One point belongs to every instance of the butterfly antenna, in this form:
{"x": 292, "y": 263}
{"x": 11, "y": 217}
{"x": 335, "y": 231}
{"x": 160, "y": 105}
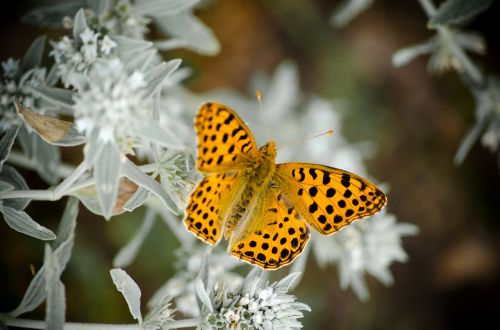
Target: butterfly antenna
{"x": 329, "y": 132}
{"x": 258, "y": 94}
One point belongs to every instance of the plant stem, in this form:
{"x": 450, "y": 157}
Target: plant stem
{"x": 445, "y": 33}
{"x": 428, "y": 6}
{"x": 37, "y": 324}
{"x": 19, "y": 159}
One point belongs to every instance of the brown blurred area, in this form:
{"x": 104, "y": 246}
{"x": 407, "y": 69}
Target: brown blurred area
{"x": 417, "y": 121}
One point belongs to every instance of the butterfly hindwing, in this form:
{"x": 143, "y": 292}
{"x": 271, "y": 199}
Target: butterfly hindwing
{"x": 209, "y": 202}
{"x": 272, "y": 235}
{"x": 328, "y": 198}
{"x": 224, "y": 141}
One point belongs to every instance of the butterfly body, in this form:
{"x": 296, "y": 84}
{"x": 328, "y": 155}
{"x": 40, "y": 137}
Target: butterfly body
{"x": 263, "y": 208}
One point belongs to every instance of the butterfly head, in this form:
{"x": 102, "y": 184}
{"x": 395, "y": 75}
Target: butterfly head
{"x": 268, "y": 151}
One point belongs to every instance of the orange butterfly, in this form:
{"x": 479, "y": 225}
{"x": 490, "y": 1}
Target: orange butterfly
{"x": 261, "y": 206}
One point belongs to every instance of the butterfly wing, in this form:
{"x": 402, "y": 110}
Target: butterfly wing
{"x": 209, "y": 203}
{"x": 224, "y": 141}
{"x": 328, "y": 198}
{"x": 272, "y": 234}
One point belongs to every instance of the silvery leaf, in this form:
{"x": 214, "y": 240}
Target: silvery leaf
{"x": 408, "y": 54}
{"x": 126, "y": 44}
{"x": 5, "y": 186}
{"x": 131, "y": 292}
{"x": 202, "y": 295}
{"x": 128, "y": 253}
{"x": 62, "y": 246}
{"x": 287, "y": 281}
{"x": 470, "y": 138}
{"x": 132, "y": 172}
{"x": 52, "y": 15}
{"x": 21, "y": 222}
{"x": 80, "y": 24}
{"x": 184, "y": 25}
{"x": 68, "y": 222}
{"x": 163, "y": 7}
{"x": 53, "y": 76}
{"x": 171, "y": 44}
{"x": 141, "y": 60}
{"x": 107, "y": 178}
{"x": 47, "y": 159}
{"x": 458, "y": 11}
{"x": 92, "y": 148}
{"x": 34, "y": 55}
{"x": 137, "y": 199}
{"x": 157, "y": 75}
{"x": 153, "y": 132}
{"x": 10, "y": 175}
{"x": 26, "y": 140}
{"x": 6, "y": 143}
{"x": 59, "y": 97}
{"x": 56, "y": 301}
{"x": 348, "y": 10}
{"x": 53, "y": 130}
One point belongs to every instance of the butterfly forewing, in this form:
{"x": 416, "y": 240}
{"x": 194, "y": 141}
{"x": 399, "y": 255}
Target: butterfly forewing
{"x": 224, "y": 141}
{"x": 209, "y": 202}
{"x": 272, "y": 235}
{"x": 328, "y": 198}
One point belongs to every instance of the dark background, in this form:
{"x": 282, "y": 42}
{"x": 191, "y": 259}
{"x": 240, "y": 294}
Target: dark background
{"x": 417, "y": 120}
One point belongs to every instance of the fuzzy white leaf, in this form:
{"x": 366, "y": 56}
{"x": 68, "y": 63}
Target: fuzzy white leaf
{"x": 80, "y": 24}
{"x": 34, "y": 55}
{"x": 6, "y": 144}
{"x": 156, "y": 76}
{"x": 202, "y": 294}
{"x": 52, "y": 15}
{"x": 163, "y": 7}
{"x": 133, "y": 173}
{"x": 59, "y": 97}
{"x": 458, "y": 11}
{"x": 126, "y": 44}
{"x": 348, "y": 10}
{"x": 22, "y": 222}
{"x": 56, "y": 301}
{"x": 107, "y": 177}
{"x": 10, "y": 175}
{"x": 137, "y": 199}
{"x": 408, "y": 54}
{"x": 5, "y": 186}
{"x": 184, "y": 25}
{"x": 130, "y": 290}
{"x": 62, "y": 246}
{"x": 128, "y": 253}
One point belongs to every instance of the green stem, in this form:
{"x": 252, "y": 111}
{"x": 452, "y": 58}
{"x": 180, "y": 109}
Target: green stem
{"x": 17, "y": 158}
{"x": 37, "y": 324}
{"x": 65, "y": 188}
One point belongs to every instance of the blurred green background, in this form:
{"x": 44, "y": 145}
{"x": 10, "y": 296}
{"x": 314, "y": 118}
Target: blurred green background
{"x": 452, "y": 280}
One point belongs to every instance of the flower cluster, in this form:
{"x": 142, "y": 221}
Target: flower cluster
{"x": 120, "y": 18}
{"x": 74, "y": 57}
{"x": 369, "y": 246}
{"x": 15, "y": 85}
{"x": 181, "y": 287}
{"x": 254, "y": 305}
{"x": 110, "y": 101}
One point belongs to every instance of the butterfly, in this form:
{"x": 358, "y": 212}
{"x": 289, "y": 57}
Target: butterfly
{"x": 263, "y": 208}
